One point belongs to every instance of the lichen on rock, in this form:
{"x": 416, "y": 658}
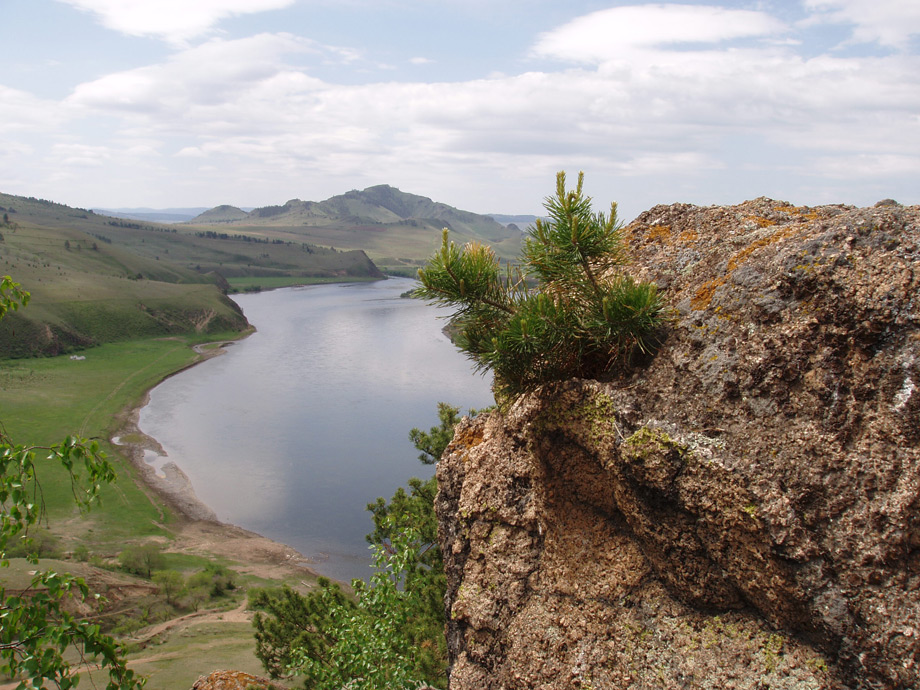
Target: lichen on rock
{"x": 740, "y": 511}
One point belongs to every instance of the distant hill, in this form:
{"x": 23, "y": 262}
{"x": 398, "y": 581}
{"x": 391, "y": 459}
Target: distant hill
{"x": 154, "y": 215}
{"x": 95, "y": 278}
{"x": 520, "y": 221}
{"x": 219, "y": 214}
{"x": 397, "y": 229}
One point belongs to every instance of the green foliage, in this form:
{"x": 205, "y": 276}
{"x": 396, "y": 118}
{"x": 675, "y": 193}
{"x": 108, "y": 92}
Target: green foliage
{"x": 35, "y": 628}
{"x": 433, "y": 443}
{"x": 286, "y": 621}
{"x": 414, "y": 510}
{"x": 39, "y": 543}
{"x": 393, "y": 636}
{"x": 215, "y": 579}
{"x": 369, "y": 644}
{"x": 12, "y": 296}
{"x": 388, "y": 638}
{"x": 170, "y": 583}
{"x": 583, "y": 319}
{"x": 142, "y": 560}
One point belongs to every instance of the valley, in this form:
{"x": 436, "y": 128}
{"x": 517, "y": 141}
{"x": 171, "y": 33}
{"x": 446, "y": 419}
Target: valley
{"x": 117, "y": 305}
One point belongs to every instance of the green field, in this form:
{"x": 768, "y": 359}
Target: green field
{"x": 395, "y": 248}
{"x": 254, "y": 284}
{"x": 43, "y": 400}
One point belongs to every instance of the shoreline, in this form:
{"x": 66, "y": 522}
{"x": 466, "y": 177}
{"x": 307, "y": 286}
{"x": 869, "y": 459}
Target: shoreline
{"x": 196, "y": 523}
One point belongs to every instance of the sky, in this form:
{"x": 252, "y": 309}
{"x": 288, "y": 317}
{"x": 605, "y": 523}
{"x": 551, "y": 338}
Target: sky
{"x": 474, "y": 103}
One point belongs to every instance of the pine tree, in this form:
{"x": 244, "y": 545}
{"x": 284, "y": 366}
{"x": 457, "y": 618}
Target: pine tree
{"x": 583, "y": 318}
{"x": 397, "y": 623}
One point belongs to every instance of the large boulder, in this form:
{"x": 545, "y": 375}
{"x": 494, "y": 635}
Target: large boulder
{"x": 740, "y": 510}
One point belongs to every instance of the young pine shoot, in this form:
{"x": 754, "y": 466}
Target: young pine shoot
{"x": 582, "y": 319}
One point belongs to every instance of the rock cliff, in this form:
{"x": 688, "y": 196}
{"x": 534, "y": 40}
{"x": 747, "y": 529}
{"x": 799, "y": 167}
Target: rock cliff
{"x": 742, "y": 509}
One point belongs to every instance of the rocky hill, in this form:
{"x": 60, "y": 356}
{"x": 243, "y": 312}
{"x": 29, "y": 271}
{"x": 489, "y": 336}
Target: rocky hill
{"x": 380, "y": 205}
{"x": 741, "y": 510}
{"x": 220, "y": 214}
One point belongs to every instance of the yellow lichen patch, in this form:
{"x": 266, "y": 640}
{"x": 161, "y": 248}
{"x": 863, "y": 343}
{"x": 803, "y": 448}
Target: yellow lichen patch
{"x": 659, "y": 233}
{"x": 703, "y": 296}
{"x": 742, "y": 255}
{"x": 761, "y": 221}
{"x": 468, "y": 437}
{"x": 688, "y": 236}
{"x": 805, "y": 213}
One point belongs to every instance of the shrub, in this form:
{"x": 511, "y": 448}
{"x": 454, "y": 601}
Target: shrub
{"x": 583, "y": 318}
{"x": 142, "y": 560}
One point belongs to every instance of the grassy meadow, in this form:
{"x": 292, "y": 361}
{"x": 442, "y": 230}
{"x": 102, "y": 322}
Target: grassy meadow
{"x": 44, "y": 399}
{"x": 256, "y": 283}
{"x": 395, "y": 247}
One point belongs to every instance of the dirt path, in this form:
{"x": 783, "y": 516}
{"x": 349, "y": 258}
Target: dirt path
{"x": 145, "y": 635}
{"x": 237, "y": 615}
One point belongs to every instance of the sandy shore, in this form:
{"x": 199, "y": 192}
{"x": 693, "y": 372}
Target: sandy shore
{"x": 199, "y": 530}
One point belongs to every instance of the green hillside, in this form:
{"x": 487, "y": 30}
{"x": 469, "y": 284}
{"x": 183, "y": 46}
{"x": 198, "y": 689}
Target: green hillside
{"x": 95, "y": 278}
{"x": 399, "y": 231}
{"x": 221, "y": 214}
{"x": 98, "y": 279}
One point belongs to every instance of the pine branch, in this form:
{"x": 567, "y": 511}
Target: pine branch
{"x": 582, "y": 318}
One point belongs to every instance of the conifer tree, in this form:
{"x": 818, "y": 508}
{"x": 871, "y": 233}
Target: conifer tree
{"x": 582, "y": 319}
{"x": 328, "y": 638}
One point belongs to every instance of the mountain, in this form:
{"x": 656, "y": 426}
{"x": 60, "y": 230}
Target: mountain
{"x": 398, "y": 230}
{"x": 381, "y": 204}
{"x": 155, "y": 215}
{"x": 168, "y": 215}
{"x": 219, "y": 214}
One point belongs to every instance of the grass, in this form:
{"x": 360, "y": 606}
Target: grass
{"x": 201, "y": 648}
{"x": 42, "y": 400}
{"x": 256, "y": 283}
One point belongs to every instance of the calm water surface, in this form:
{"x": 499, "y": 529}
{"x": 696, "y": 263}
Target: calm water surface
{"x": 298, "y": 427}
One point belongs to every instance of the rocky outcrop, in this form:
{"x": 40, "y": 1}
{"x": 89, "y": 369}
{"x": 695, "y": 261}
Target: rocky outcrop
{"x": 234, "y": 680}
{"x": 741, "y": 510}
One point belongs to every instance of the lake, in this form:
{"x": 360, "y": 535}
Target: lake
{"x": 293, "y": 431}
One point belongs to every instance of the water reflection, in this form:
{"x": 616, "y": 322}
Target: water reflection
{"x": 302, "y": 424}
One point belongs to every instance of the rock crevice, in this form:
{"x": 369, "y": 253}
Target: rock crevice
{"x": 741, "y": 511}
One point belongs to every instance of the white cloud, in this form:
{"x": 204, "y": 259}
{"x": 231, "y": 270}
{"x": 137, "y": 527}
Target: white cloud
{"x": 200, "y": 80}
{"x": 22, "y": 112}
{"x": 173, "y": 20}
{"x": 620, "y": 32}
{"x": 191, "y": 152}
{"x": 656, "y": 99}
{"x": 888, "y": 22}
{"x": 245, "y": 105}
{"x": 857, "y": 166}
{"x": 82, "y": 155}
